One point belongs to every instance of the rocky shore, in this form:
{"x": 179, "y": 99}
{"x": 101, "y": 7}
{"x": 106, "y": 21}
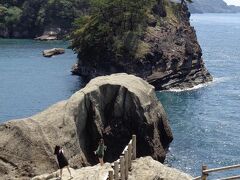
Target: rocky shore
{"x": 113, "y": 107}
{"x": 144, "y": 168}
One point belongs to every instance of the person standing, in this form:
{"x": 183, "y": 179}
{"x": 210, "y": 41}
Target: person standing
{"x": 100, "y": 151}
{"x": 61, "y": 159}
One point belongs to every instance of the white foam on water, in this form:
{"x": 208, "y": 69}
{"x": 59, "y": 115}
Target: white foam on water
{"x": 214, "y": 82}
{"x": 189, "y": 89}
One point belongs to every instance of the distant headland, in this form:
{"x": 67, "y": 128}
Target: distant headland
{"x": 212, "y": 6}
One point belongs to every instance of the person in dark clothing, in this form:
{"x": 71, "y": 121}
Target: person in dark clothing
{"x": 61, "y": 159}
{"x": 100, "y": 151}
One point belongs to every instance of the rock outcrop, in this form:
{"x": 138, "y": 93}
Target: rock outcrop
{"x": 175, "y": 59}
{"x": 51, "y": 34}
{"x": 144, "y": 168}
{"x": 168, "y": 54}
{"x": 46, "y": 37}
{"x": 113, "y": 107}
{"x": 52, "y": 52}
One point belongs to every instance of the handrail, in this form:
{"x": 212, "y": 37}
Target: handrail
{"x": 124, "y": 162}
{"x": 222, "y": 168}
{"x": 197, "y": 178}
{"x": 205, "y": 172}
{"x": 230, "y": 178}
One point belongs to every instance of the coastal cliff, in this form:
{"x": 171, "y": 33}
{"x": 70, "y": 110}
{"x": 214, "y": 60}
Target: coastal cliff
{"x": 161, "y": 47}
{"x": 113, "y": 107}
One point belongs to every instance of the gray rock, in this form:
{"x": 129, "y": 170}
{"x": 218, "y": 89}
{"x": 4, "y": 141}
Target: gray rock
{"x": 146, "y": 168}
{"x": 50, "y": 34}
{"x": 46, "y": 37}
{"x": 52, "y": 52}
{"x": 113, "y": 107}
{"x": 142, "y": 169}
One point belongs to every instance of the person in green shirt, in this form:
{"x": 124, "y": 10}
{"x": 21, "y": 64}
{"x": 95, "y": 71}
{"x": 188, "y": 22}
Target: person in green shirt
{"x": 100, "y": 151}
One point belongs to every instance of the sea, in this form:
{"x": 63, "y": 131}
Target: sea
{"x": 205, "y": 120}
{"x": 29, "y": 82}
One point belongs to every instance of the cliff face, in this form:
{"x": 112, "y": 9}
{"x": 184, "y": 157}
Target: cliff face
{"x": 175, "y": 57}
{"x": 167, "y": 55}
{"x": 113, "y": 107}
{"x": 213, "y": 6}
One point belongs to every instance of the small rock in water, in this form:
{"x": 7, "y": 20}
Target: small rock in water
{"x": 46, "y": 37}
{"x": 54, "y": 51}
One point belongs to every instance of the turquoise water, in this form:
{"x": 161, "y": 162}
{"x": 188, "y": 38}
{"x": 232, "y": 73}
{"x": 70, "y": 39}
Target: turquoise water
{"x": 206, "y": 121}
{"x": 29, "y": 82}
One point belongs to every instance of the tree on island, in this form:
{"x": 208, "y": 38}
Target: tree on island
{"x": 112, "y": 29}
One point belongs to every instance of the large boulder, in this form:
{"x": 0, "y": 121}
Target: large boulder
{"x": 113, "y": 107}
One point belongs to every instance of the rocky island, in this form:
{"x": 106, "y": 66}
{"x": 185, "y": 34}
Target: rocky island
{"x": 152, "y": 40}
{"x": 123, "y": 104}
{"x": 160, "y": 45}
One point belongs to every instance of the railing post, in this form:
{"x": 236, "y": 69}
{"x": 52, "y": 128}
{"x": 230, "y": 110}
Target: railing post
{"x": 126, "y": 163}
{"x": 110, "y": 175}
{"x": 129, "y": 156}
{"x": 116, "y": 170}
{"x": 134, "y": 144}
{"x": 122, "y": 168}
{"x": 204, "y": 175}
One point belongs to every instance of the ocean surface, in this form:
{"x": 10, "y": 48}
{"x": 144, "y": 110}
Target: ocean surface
{"x": 29, "y": 82}
{"x": 205, "y": 121}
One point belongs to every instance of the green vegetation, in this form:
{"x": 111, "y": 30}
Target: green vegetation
{"x": 112, "y": 30}
{"x": 31, "y": 17}
{"x": 9, "y": 16}
{"x": 115, "y": 28}
{"x": 112, "y": 27}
